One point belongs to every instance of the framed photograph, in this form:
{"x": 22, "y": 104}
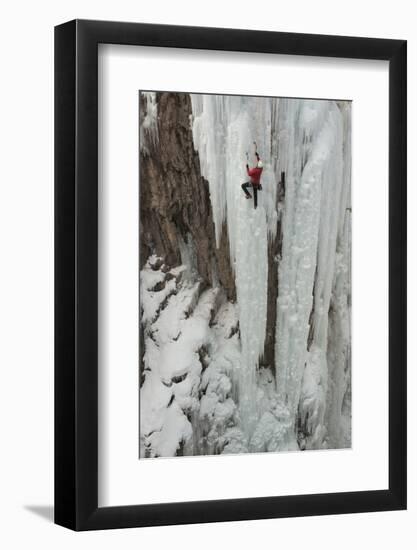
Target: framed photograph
{"x": 230, "y": 254}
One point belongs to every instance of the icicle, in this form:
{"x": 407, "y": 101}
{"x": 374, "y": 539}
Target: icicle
{"x": 149, "y": 126}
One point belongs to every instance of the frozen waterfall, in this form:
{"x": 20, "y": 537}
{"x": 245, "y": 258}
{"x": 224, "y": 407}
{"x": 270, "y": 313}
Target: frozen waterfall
{"x": 314, "y": 153}
{"x": 224, "y": 129}
{"x": 309, "y": 140}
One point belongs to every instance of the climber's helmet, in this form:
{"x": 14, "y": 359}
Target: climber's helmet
{"x": 260, "y": 164}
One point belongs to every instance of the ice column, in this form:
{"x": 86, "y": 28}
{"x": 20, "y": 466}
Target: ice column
{"x": 311, "y": 154}
{"x": 224, "y": 129}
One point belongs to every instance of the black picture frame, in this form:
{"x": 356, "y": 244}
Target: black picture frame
{"x": 76, "y": 272}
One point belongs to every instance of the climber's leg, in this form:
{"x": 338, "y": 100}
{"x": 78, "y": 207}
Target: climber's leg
{"x": 245, "y": 189}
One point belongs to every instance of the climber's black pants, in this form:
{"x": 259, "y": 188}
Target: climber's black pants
{"x": 255, "y": 191}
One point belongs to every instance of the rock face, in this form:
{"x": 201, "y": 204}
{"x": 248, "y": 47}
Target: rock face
{"x": 175, "y": 210}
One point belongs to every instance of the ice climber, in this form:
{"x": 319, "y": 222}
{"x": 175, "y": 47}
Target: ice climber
{"x": 255, "y": 180}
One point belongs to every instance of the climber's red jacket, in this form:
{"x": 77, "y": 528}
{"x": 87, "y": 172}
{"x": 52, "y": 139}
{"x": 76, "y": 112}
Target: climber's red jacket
{"x": 255, "y": 174}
